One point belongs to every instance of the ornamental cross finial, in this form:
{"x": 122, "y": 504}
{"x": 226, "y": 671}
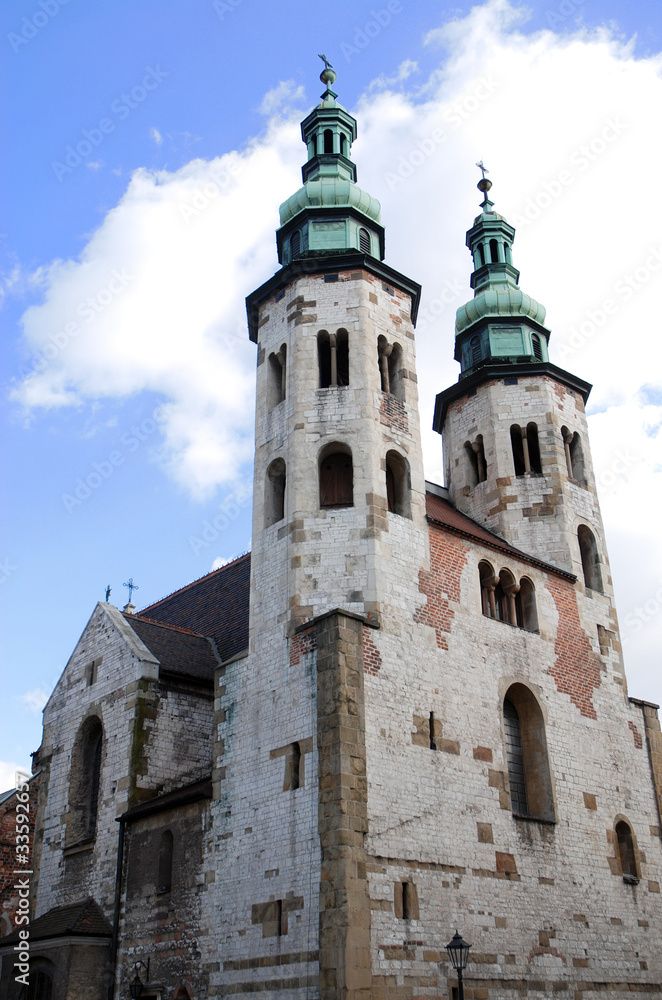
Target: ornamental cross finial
{"x": 107, "y": 593}
{"x": 482, "y": 168}
{"x": 132, "y": 586}
{"x": 327, "y": 64}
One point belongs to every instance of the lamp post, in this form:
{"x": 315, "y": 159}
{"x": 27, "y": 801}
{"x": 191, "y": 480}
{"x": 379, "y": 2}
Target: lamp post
{"x": 458, "y": 952}
{"x": 136, "y": 985}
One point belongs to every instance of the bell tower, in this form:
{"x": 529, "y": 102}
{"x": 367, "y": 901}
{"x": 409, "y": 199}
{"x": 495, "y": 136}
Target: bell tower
{"x": 338, "y": 488}
{"x": 517, "y": 456}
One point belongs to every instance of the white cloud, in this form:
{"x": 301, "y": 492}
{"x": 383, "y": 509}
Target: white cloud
{"x": 221, "y": 561}
{"x": 94, "y": 165}
{"x": 9, "y": 771}
{"x": 564, "y": 125}
{"x": 35, "y": 700}
{"x": 404, "y": 71}
{"x": 156, "y": 136}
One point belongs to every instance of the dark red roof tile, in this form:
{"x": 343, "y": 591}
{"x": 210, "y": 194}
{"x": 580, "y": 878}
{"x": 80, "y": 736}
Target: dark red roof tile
{"x": 84, "y": 918}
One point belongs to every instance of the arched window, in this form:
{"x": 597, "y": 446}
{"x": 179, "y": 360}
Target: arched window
{"x": 626, "y": 852}
{"x": 336, "y": 477}
{"x": 274, "y": 500}
{"x": 395, "y": 373}
{"x": 574, "y": 455}
{"x": 294, "y": 768}
{"x": 537, "y": 346}
{"x": 479, "y": 257}
{"x": 476, "y": 351}
{"x": 276, "y": 377}
{"x": 476, "y": 467}
{"x": 534, "y": 447}
{"x": 164, "y": 880}
{"x": 526, "y": 606}
{"x": 590, "y": 559}
{"x": 40, "y": 987}
{"x": 85, "y": 781}
{"x": 364, "y": 240}
{"x": 182, "y": 993}
{"x": 526, "y": 449}
{"x": 516, "y": 438}
{"x": 506, "y": 593}
{"x": 398, "y": 486}
{"x": 333, "y": 358}
{"x": 328, "y": 141}
{"x": 494, "y": 251}
{"x": 526, "y": 755}
{"x": 344, "y": 145}
{"x": 488, "y": 583}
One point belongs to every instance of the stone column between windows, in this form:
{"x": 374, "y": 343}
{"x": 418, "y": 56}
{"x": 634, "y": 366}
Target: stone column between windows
{"x": 344, "y": 921}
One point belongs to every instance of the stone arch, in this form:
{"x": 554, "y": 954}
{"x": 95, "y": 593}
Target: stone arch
{"x": 590, "y": 557}
{"x": 398, "y": 484}
{"x": 527, "y": 759}
{"x": 274, "y": 499}
{"x": 526, "y": 604}
{"x": 276, "y": 383}
{"x": 626, "y": 849}
{"x": 336, "y": 476}
{"x": 488, "y": 582}
{"x": 85, "y": 781}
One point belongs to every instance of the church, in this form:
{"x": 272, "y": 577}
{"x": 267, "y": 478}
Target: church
{"x": 403, "y": 714}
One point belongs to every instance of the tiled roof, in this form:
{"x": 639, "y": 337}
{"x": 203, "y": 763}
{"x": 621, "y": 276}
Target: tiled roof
{"x": 171, "y": 800}
{"x": 178, "y": 650}
{"x": 216, "y": 605}
{"x": 82, "y": 919}
{"x": 443, "y": 512}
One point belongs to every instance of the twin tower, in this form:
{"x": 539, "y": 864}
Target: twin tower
{"x": 337, "y": 427}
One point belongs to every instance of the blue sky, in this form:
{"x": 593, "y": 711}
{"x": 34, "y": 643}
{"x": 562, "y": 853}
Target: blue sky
{"x": 149, "y": 146}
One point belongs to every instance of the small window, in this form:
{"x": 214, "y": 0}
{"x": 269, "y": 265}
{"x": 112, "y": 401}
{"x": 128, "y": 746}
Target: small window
{"x": 164, "y": 881}
{"x": 574, "y": 456}
{"x": 527, "y": 759}
{"x": 588, "y": 550}
{"x": 336, "y": 479}
{"x": 479, "y": 260}
{"x": 494, "y": 251}
{"x": 506, "y": 592}
{"x": 294, "y": 765}
{"x": 476, "y": 352}
{"x": 364, "y": 240}
{"x": 515, "y": 759}
{"x": 333, "y": 358}
{"x": 274, "y": 501}
{"x": 476, "y": 467}
{"x": 396, "y": 373}
{"x": 534, "y": 448}
{"x": 295, "y": 244}
{"x": 516, "y": 441}
{"x": 344, "y": 146}
{"x": 526, "y": 449}
{"x": 328, "y": 141}
{"x": 626, "y": 852}
{"x": 488, "y": 583}
{"x": 526, "y": 602}
{"x": 398, "y": 485}
{"x": 433, "y": 742}
{"x": 276, "y": 378}
{"x": 405, "y": 901}
{"x": 537, "y": 347}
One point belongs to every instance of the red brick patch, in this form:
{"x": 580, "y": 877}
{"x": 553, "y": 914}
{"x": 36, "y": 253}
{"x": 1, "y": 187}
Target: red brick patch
{"x": 300, "y": 644}
{"x": 392, "y": 413}
{"x": 576, "y": 669}
{"x": 372, "y": 659}
{"x": 448, "y": 557}
{"x": 638, "y": 742}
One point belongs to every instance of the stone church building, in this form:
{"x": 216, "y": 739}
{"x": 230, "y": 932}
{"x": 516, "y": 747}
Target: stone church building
{"x": 404, "y": 713}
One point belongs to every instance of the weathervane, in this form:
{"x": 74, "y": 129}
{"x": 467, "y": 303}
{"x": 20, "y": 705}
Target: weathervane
{"x": 327, "y": 76}
{"x": 484, "y": 185}
{"x": 107, "y": 593}
{"x": 132, "y": 586}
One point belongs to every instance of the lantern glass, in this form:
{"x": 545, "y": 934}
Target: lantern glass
{"x": 458, "y": 952}
{"x": 136, "y": 987}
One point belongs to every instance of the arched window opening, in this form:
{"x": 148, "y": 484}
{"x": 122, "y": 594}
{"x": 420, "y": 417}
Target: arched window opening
{"x": 590, "y": 559}
{"x": 328, "y": 141}
{"x": 85, "y": 781}
{"x": 526, "y": 602}
{"x": 336, "y": 477}
{"x": 534, "y": 448}
{"x": 537, "y": 347}
{"x": 488, "y": 582}
{"x": 384, "y": 350}
{"x": 295, "y": 244}
{"x": 494, "y": 251}
{"x": 276, "y": 377}
{"x": 471, "y": 464}
{"x": 274, "y": 501}
{"x": 364, "y": 240}
{"x": 476, "y": 351}
{"x": 182, "y": 993}
{"x": 526, "y": 755}
{"x": 574, "y": 455}
{"x": 506, "y": 593}
{"x": 479, "y": 261}
{"x": 509, "y": 256}
{"x": 396, "y": 373}
{"x": 40, "y": 986}
{"x": 626, "y": 852}
{"x": 476, "y": 468}
{"x": 164, "y": 881}
{"x": 433, "y": 742}
{"x": 333, "y": 358}
{"x": 344, "y": 146}
{"x": 294, "y": 776}
{"x": 526, "y": 449}
{"x": 398, "y": 485}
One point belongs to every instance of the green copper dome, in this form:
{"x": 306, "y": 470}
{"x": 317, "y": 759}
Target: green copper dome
{"x": 501, "y": 324}
{"x": 330, "y": 213}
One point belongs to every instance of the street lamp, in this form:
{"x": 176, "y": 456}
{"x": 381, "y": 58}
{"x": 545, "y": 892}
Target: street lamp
{"x": 458, "y": 952}
{"x": 136, "y": 985}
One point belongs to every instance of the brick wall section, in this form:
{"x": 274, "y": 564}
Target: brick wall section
{"x": 441, "y": 585}
{"x": 300, "y": 644}
{"x": 344, "y": 923}
{"x": 636, "y": 735}
{"x": 576, "y": 669}
{"x": 393, "y": 414}
{"x": 372, "y": 659}
{"x": 8, "y": 864}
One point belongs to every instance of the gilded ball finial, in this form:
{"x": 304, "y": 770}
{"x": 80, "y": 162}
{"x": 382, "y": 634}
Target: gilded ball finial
{"x": 328, "y": 74}
{"x": 484, "y": 186}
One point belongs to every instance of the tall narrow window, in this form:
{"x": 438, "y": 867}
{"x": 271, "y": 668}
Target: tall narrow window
{"x": 364, "y": 240}
{"x": 405, "y": 901}
{"x": 398, "y": 487}
{"x": 516, "y": 440}
{"x": 295, "y": 244}
{"x": 479, "y": 260}
{"x": 527, "y": 611}
{"x": 526, "y": 449}
{"x": 433, "y": 742}
{"x": 164, "y": 881}
{"x": 626, "y": 852}
{"x": 476, "y": 352}
{"x": 276, "y": 377}
{"x": 537, "y": 346}
{"x": 274, "y": 500}
{"x": 293, "y": 768}
{"x": 515, "y": 759}
{"x": 494, "y": 251}
{"x": 344, "y": 145}
{"x": 534, "y": 447}
{"x": 336, "y": 478}
{"x": 85, "y": 781}
{"x": 328, "y": 141}
{"x": 507, "y": 592}
{"x": 574, "y": 455}
{"x": 529, "y": 776}
{"x": 488, "y": 583}
{"x": 333, "y": 358}
{"x": 590, "y": 559}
